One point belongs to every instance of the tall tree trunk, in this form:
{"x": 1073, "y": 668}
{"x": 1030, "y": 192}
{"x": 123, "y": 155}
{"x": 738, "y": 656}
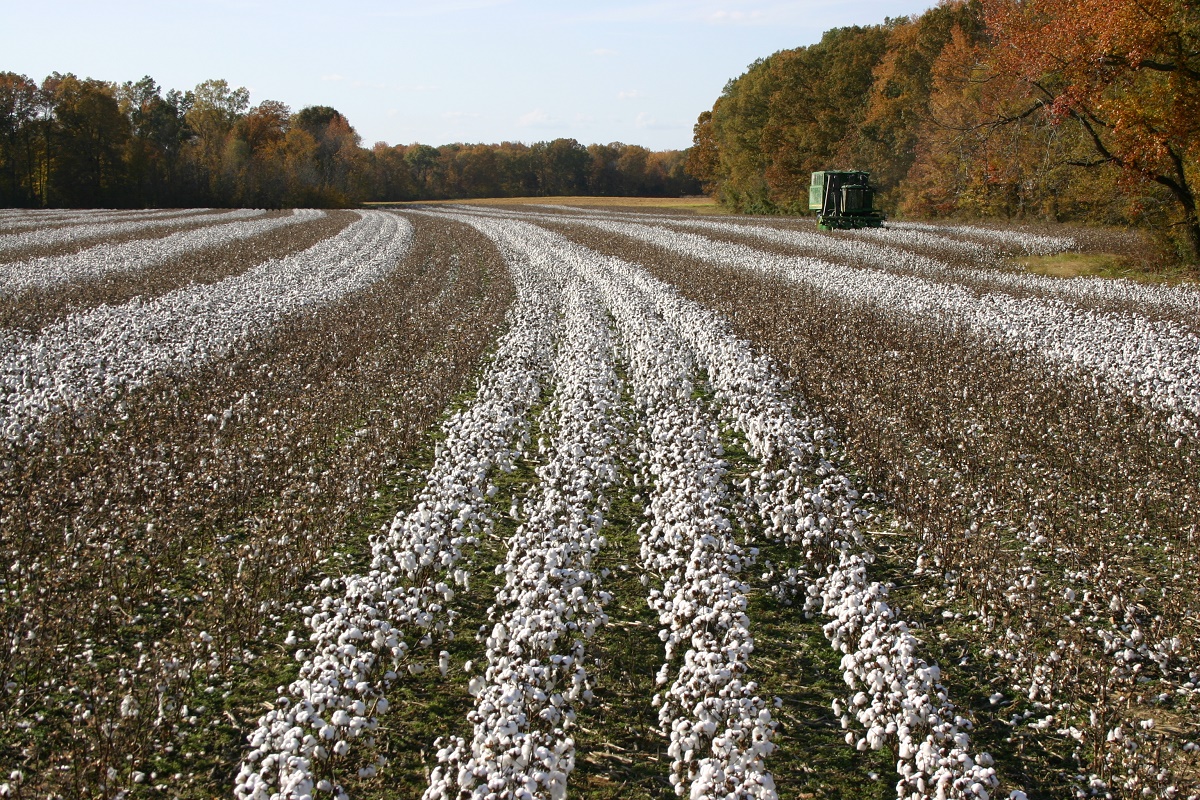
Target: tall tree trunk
{"x": 1193, "y": 233}
{"x": 1179, "y": 186}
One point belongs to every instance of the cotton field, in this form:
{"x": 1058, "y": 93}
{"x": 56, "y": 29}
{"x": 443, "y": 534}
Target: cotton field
{"x": 544, "y": 502}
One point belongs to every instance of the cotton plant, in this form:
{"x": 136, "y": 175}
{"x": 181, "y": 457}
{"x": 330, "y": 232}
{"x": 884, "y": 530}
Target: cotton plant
{"x": 1113, "y": 647}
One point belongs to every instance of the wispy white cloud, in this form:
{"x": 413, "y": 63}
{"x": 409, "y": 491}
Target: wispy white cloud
{"x": 630, "y": 94}
{"x": 461, "y": 115}
{"x": 648, "y": 122}
{"x": 334, "y": 78}
{"x": 535, "y": 119}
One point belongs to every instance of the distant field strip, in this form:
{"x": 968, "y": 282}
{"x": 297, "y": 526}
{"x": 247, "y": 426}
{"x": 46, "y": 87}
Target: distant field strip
{"x": 923, "y": 251}
{"x": 139, "y": 254}
{"x": 1155, "y": 360}
{"x": 16, "y": 220}
{"x": 1025, "y": 243}
{"x": 94, "y": 353}
{"x": 91, "y": 229}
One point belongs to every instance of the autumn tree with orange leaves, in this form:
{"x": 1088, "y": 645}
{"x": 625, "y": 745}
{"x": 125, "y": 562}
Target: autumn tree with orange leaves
{"x": 1127, "y": 72}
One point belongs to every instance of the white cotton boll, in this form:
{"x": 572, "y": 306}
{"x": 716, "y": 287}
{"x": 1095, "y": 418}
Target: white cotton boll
{"x": 444, "y": 662}
{"x": 416, "y": 669}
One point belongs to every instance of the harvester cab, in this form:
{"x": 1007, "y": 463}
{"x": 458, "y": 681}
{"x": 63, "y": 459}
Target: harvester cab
{"x": 844, "y": 199}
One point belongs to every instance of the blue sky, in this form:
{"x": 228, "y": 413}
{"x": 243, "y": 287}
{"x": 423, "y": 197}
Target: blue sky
{"x": 440, "y": 72}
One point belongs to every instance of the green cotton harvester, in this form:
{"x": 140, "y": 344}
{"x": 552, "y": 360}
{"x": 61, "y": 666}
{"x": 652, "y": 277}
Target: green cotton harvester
{"x": 843, "y": 199}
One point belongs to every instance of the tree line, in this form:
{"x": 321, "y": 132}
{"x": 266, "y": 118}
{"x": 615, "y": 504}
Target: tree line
{"x": 72, "y": 142}
{"x": 1034, "y": 109}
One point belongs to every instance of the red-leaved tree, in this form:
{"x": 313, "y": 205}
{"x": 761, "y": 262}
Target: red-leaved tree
{"x": 1127, "y": 71}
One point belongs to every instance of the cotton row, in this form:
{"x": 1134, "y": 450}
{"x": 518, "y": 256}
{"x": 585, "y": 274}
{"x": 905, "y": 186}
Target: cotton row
{"x": 93, "y": 229}
{"x": 1022, "y": 242}
{"x": 14, "y": 220}
{"x": 801, "y": 498}
{"x": 981, "y": 254}
{"x": 890, "y": 249}
{"x": 890, "y": 254}
{"x": 900, "y": 698}
{"x": 140, "y": 255}
{"x": 909, "y": 709}
{"x": 1157, "y": 362}
{"x": 1181, "y": 303}
{"x": 362, "y": 633}
{"x": 720, "y": 729}
{"x": 551, "y": 602}
{"x": 72, "y": 363}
